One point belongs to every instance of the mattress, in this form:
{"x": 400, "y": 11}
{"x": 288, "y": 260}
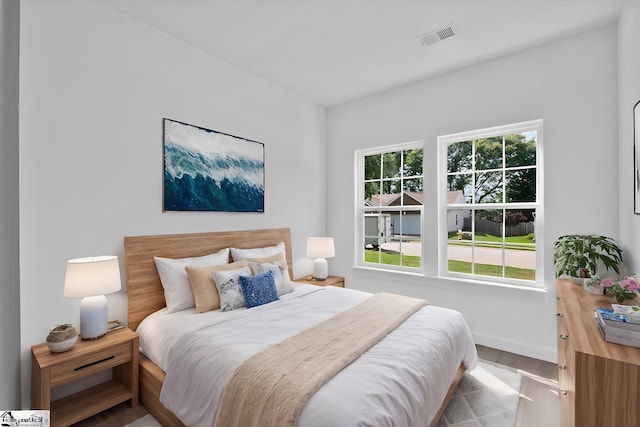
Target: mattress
{"x": 402, "y": 380}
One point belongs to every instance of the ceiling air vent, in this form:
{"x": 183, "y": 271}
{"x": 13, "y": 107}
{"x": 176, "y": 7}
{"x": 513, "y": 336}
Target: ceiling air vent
{"x": 434, "y": 36}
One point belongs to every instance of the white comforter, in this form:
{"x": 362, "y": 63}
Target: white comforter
{"x": 401, "y": 381}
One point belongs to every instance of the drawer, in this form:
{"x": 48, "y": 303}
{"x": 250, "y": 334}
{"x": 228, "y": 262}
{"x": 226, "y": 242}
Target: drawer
{"x": 89, "y": 364}
{"x": 565, "y": 377}
{"x": 567, "y": 411}
{"x": 566, "y": 357}
{"x": 564, "y": 343}
{"x": 561, "y": 314}
{"x": 567, "y": 396}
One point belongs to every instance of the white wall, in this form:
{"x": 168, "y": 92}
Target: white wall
{"x": 572, "y": 85}
{"x": 9, "y": 221}
{"x": 94, "y": 87}
{"x": 628, "y": 95}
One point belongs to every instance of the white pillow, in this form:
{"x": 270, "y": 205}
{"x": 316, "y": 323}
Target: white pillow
{"x": 177, "y": 289}
{"x": 240, "y": 254}
{"x": 229, "y": 288}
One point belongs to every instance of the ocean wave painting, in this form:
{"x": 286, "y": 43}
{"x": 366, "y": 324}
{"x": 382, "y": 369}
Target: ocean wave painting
{"x": 206, "y": 170}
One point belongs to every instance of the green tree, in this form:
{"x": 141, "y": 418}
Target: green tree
{"x": 519, "y": 153}
{"x": 393, "y": 172}
{"x": 521, "y": 183}
{"x": 413, "y": 162}
{"x": 459, "y": 167}
{"x": 412, "y": 168}
{"x": 372, "y": 172}
{"x": 391, "y": 164}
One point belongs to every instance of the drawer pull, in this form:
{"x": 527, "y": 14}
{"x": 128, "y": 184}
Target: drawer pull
{"x": 560, "y": 314}
{"x": 562, "y": 366}
{"x": 563, "y": 392}
{"x": 93, "y": 363}
{"x": 564, "y": 337}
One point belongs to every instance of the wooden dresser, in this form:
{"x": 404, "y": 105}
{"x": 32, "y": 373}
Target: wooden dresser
{"x": 599, "y": 382}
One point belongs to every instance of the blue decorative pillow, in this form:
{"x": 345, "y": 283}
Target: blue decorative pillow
{"x": 259, "y": 289}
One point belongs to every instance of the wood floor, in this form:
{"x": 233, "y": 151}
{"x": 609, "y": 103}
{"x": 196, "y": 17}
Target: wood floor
{"x": 538, "y": 404}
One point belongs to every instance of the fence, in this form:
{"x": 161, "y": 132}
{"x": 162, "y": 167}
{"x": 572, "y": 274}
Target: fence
{"x": 495, "y": 229}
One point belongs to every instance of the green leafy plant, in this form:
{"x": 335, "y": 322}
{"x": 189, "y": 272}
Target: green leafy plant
{"x": 579, "y": 255}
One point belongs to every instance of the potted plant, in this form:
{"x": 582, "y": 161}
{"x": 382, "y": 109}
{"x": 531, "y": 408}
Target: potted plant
{"x": 622, "y": 290}
{"x": 580, "y": 255}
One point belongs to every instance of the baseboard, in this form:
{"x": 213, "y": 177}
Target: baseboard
{"x": 546, "y": 354}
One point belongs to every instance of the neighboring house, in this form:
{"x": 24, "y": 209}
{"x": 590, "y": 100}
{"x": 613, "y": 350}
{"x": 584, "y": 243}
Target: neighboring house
{"x": 456, "y": 217}
{"x": 411, "y": 219}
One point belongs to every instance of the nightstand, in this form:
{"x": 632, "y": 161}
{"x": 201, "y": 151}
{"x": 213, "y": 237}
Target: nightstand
{"x": 329, "y": 281}
{"x": 117, "y": 350}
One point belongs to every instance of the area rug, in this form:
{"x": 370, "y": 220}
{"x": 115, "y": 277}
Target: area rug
{"x": 146, "y": 421}
{"x": 486, "y": 397}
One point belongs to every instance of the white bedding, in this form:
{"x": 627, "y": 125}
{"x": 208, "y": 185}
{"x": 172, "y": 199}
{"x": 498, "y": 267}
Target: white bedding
{"x": 402, "y": 380}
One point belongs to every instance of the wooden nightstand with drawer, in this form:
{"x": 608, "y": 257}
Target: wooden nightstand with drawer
{"x": 117, "y": 350}
{"x": 329, "y": 281}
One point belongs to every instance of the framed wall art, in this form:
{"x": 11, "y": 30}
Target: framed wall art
{"x": 207, "y": 170}
{"x": 636, "y": 161}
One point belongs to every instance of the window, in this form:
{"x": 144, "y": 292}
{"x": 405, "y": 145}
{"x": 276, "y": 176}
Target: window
{"x": 389, "y": 205}
{"x": 491, "y": 210}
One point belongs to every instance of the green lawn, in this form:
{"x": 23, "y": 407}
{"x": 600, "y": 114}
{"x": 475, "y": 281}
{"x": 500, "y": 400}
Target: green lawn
{"x": 392, "y": 258}
{"x": 492, "y": 270}
{"x": 453, "y": 266}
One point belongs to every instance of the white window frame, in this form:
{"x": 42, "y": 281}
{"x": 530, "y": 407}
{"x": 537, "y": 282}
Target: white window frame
{"x": 443, "y": 143}
{"x": 360, "y": 209}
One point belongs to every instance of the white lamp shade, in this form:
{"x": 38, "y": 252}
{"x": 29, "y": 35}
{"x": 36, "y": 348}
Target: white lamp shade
{"x": 320, "y": 247}
{"x": 92, "y": 276}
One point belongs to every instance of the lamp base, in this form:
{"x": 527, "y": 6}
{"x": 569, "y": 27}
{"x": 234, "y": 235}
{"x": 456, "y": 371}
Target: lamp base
{"x": 320, "y": 269}
{"x": 93, "y": 317}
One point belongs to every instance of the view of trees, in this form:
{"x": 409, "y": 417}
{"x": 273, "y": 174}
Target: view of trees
{"x": 396, "y": 171}
{"x": 519, "y": 170}
{"x": 520, "y": 161}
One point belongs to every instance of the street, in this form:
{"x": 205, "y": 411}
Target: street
{"x": 514, "y": 258}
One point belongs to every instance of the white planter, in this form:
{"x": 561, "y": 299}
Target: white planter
{"x": 594, "y": 289}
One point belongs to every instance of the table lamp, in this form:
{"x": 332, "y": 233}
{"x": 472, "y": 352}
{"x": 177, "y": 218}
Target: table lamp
{"x": 90, "y": 278}
{"x": 320, "y": 248}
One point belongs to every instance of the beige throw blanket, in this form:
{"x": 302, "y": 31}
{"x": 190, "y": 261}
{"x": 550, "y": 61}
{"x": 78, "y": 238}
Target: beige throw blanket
{"x": 272, "y": 387}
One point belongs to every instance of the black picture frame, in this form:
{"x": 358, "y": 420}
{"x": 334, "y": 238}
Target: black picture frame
{"x": 636, "y": 160}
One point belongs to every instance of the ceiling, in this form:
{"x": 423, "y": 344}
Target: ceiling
{"x": 335, "y": 51}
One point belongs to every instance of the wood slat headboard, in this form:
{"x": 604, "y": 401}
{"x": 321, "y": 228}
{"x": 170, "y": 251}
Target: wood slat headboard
{"x": 144, "y": 290}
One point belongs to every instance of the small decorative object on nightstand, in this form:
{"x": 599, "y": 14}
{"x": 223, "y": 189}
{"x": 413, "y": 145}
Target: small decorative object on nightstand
{"x": 117, "y": 351}
{"x": 320, "y": 248}
{"x": 329, "y": 281}
{"x": 62, "y": 337}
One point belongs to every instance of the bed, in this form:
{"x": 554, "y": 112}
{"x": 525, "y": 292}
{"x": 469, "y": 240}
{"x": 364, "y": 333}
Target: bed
{"x": 417, "y": 404}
